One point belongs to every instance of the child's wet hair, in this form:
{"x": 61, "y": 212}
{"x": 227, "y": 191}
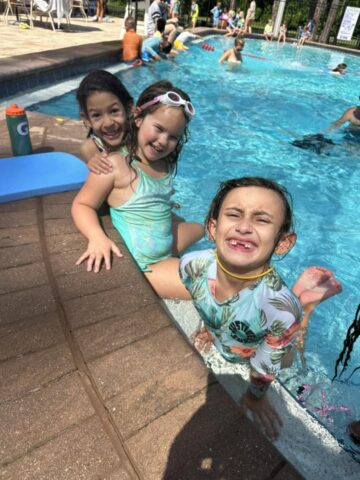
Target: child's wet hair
{"x": 155, "y": 90}
{"x": 160, "y": 25}
{"x": 227, "y": 186}
{"x": 130, "y": 23}
{"x": 239, "y": 41}
{"x": 103, "y": 81}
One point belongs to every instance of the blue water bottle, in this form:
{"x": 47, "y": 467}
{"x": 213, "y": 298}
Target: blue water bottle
{"x": 18, "y": 127}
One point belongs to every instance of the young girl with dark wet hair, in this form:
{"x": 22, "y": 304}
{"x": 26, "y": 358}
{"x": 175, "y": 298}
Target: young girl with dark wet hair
{"x": 105, "y": 107}
{"x": 140, "y": 185}
{"x": 249, "y": 313}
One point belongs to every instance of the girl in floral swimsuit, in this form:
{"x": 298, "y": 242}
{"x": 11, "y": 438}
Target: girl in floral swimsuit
{"x": 248, "y": 311}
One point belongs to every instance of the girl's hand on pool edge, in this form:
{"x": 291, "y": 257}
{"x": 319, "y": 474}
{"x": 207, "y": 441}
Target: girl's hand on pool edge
{"x": 100, "y": 164}
{"x": 264, "y": 415}
{"x": 97, "y": 252}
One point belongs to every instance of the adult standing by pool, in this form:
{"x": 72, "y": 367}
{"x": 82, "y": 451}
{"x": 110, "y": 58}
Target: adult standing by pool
{"x": 250, "y": 17}
{"x": 154, "y": 13}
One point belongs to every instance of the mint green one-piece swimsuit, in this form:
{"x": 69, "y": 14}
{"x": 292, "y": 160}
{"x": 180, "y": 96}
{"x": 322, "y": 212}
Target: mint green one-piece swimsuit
{"x": 144, "y": 221}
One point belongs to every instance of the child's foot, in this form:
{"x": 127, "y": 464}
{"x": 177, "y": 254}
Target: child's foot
{"x": 313, "y": 286}
{"x": 326, "y": 289}
{"x": 311, "y": 277}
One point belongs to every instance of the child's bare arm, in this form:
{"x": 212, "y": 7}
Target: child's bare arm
{"x": 224, "y": 56}
{"x": 94, "y": 191}
{"x": 344, "y": 118}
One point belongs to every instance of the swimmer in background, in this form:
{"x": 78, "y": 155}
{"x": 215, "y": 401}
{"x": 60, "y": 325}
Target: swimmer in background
{"x": 351, "y": 115}
{"x": 233, "y": 55}
{"x": 340, "y": 69}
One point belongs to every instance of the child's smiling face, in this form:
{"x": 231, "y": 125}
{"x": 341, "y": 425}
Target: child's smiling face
{"x": 160, "y": 132}
{"x": 106, "y": 115}
{"x": 247, "y": 229}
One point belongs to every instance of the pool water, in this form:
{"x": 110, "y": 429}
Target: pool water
{"x": 246, "y": 118}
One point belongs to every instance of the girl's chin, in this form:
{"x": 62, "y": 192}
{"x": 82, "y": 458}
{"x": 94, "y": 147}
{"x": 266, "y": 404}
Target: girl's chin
{"x": 152, "y": 155}
{"x": 114, "y": 141}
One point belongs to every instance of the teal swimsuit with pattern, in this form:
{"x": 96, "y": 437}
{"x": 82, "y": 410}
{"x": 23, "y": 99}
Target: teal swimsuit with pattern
{"x": 258, "y": 325}
{"x": 144, "y": 221}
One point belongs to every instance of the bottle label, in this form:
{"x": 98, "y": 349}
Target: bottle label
{"x": 23, "y": 128}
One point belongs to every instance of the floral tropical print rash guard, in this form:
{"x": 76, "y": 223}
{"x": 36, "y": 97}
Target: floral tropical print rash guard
{"x": 258, "y": 325}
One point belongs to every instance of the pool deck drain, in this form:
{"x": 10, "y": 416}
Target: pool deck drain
{"x": 96, "y": 380}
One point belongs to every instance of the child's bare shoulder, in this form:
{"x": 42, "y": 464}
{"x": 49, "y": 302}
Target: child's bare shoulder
{"x": 123, "y": 172}
{"x": 88, "y": 149}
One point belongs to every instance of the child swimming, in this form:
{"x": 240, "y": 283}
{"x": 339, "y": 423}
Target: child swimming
{"x": 339, "y": 69}
{"x": 105, "y": 107}
{"x": 233, "y": 55}
{"x": 140, "y": 185}
{"x": 249, "y": 313}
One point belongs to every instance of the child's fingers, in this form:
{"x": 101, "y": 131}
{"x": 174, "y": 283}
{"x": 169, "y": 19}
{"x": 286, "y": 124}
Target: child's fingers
{"x": 90, "y": 262}
{"x": 83, "y": 257}
{"x": 105, "y": 165}
{"x": 116, "y": 250}
{"x": 94, "y": 169}
{"x": 97, "y": 264}
{"x": 107, "y": 261}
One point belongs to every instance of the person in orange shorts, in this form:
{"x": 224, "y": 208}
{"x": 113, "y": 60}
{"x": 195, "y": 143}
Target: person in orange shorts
{"x": 132, "y": 43}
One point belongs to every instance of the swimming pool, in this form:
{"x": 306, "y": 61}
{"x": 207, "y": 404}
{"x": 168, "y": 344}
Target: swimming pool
{"x": 246, "y": 119}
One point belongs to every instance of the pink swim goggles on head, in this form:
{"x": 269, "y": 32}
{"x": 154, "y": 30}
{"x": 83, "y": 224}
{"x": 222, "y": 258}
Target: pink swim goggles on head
{"x": 174, "y": 100}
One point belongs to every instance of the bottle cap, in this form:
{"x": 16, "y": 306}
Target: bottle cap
{"x": 15, "y": 111}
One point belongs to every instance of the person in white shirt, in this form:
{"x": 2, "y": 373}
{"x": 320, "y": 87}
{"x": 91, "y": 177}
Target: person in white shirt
{"x": 155, "y": 12}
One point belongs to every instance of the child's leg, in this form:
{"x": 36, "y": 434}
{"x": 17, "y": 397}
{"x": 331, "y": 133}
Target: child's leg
{"x": 165, "y": 279}
{"x": 185, "y": 234}
{"x": 169, "y": 28}
{"x": 172, "y": 36}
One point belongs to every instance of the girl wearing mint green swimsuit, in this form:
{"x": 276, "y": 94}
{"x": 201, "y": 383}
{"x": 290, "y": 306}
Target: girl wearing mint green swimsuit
{"x": 139, "y": 187}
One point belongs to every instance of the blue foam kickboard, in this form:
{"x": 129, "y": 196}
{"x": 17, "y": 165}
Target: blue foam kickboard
{"x": 40, "y": 174}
